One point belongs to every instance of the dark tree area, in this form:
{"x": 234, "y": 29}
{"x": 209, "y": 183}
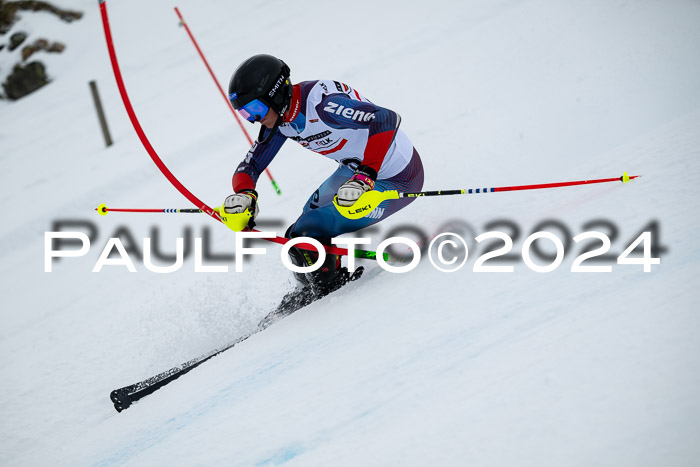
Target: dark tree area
{"x": 26, "y": 78}
{"x": 8, "y": 12}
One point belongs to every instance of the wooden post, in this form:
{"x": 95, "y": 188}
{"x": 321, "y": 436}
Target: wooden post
{"x": 100, "y": 113}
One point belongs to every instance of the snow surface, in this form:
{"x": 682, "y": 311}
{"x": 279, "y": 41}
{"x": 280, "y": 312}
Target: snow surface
{"x": 423, "y": 368}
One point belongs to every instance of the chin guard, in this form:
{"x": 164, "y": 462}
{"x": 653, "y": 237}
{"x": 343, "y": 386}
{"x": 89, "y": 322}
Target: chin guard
{"x": 270, "y": 132}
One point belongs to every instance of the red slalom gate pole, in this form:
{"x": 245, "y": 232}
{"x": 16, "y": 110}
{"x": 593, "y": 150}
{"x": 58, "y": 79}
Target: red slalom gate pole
{"x": 223, "y": 94}
{"x": 137, "y": 126}
{"x": 203, "y": 207}
{"x": 623, "y": 179}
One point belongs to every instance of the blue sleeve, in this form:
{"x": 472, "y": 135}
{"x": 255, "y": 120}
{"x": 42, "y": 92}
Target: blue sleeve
{"x": 258, "y": 158}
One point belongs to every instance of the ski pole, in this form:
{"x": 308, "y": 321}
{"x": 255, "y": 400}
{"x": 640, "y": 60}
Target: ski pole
{"x": 371, "y": 199}
{"x": 103, "y": 210}
{"x": 234, "y": 221}
{"x": 228, "y": 103}
{"x": 239, "y": 222}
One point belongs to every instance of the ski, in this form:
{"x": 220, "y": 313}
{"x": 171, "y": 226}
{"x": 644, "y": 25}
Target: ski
{"x": 123, "y": 398}
{"x": 298, "y": 299}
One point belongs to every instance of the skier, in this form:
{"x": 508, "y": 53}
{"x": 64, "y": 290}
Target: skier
{"x": 333, "y": 120}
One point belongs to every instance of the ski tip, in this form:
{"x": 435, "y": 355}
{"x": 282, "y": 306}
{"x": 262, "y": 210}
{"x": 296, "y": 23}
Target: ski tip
{"x": 102, "y": 209}
{"x": 121, "y": 399}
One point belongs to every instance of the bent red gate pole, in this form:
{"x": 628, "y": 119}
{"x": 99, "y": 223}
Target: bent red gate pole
{"x": 137, "y": 126}
{"x": 154, "y": 155}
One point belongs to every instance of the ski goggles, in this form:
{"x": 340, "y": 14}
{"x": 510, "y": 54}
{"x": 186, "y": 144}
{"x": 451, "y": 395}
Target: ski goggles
{"x": 254, "y": 110}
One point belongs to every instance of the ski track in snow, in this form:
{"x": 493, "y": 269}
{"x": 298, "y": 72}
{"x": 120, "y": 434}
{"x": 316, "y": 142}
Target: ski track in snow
{"x": 423, "y": 368}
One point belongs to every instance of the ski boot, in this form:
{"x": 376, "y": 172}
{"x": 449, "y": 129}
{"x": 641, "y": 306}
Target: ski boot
{"x": 328, "y": 278}
{"x": 312, "y": 285}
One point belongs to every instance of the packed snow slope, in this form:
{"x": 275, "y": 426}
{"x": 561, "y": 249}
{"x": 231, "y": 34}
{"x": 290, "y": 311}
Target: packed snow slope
{"x": 421, "y": 368}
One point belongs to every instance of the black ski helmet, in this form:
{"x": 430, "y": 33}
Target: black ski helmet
{"x": 262, "y": 77}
